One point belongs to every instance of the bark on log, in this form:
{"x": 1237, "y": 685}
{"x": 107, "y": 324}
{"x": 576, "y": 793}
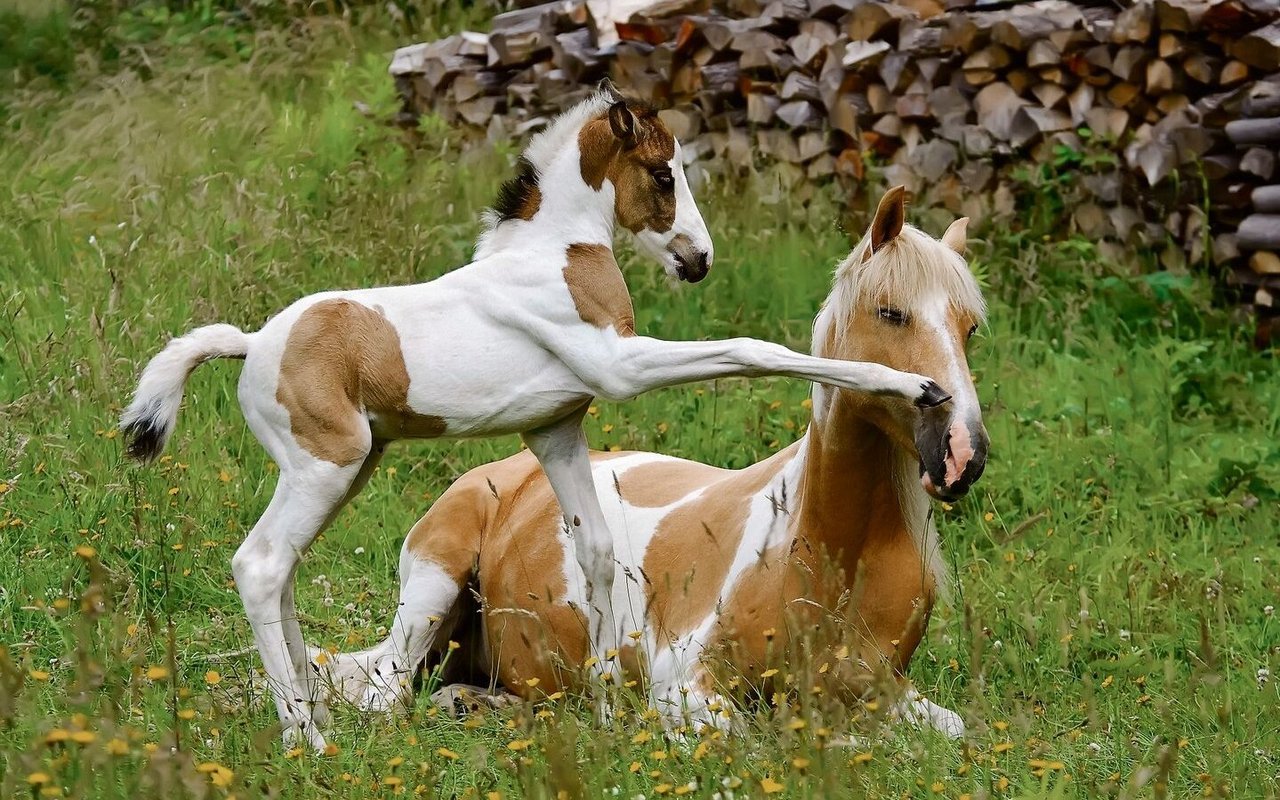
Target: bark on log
{"x": 1266, "y": 199}
{"x": 1259, "y": 232}
{"x": 1255, "y": 131}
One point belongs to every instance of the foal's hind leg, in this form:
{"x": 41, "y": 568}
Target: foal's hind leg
{"x": 306, "y": 498}
{"x": 300, "y": 656}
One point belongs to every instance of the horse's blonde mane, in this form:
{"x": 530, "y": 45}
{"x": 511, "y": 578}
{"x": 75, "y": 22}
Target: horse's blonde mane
{"x": 908, "y": 269}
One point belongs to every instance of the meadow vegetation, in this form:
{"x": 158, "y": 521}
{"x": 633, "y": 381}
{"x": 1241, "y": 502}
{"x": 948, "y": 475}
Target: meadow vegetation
{"x": 1114, "y": 575}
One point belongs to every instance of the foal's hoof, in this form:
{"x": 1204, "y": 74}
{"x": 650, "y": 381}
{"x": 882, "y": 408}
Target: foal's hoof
{"x": 305, "y": 734}
{"x": 931, "y": 396}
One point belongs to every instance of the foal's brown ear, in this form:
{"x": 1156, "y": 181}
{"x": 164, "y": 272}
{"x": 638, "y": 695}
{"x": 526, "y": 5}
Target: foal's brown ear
{"x": 890, "y": 216}
{"x": 623, "y": 123}
{"x": 956, "y": 235}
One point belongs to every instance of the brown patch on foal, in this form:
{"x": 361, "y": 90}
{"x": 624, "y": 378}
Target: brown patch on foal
{"x": 638, "y": 201}
{"x": 343, "y": 364}
{"x": 598, "y": 289}
{"x": 529, "y": 204}
{"x": 688, "y": 559}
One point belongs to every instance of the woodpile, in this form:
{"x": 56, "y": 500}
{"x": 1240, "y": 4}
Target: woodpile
{"x": 1256, "y": 137}
{"x": 1149, "y": 123}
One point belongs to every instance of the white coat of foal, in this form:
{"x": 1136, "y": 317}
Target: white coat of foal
{"x": 518, "y": 341}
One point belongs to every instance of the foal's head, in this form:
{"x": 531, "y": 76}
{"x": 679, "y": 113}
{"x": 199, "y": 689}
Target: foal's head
{"x": 625, "y": 155}
{"x": 908, "y": 301}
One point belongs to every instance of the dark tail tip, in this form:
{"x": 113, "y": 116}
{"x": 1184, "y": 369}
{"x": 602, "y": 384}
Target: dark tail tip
{"x": 145, "y": 441}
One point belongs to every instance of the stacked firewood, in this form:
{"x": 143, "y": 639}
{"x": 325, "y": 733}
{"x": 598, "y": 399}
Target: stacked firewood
{"x": 1256, "y": 136}
{"x": 1149, "y": 122}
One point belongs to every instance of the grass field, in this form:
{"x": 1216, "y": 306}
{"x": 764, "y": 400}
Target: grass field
{"x": 1115, "y": 571}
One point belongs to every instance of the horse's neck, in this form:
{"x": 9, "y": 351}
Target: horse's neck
{"x": 849, "y": 493}
{"x": 569, "y": 212}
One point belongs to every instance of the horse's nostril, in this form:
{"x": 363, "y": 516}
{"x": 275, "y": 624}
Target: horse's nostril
{"x": 702, "y": 262}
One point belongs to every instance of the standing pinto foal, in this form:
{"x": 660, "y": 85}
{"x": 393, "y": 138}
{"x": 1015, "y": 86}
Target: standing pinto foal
{"x": 825, "y": 550}
{"x": 518, "y": 341}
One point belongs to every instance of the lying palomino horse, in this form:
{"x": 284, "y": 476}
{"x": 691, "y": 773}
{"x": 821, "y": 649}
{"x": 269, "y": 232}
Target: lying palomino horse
{"x": 518, "y": 341}
{"x": 826, "y": 548}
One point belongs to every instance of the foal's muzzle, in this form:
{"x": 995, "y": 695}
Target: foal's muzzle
{"x": 692, "y": 263}
{"x": 953, "y": 453}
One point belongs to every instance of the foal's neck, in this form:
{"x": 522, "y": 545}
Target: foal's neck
{"x": 568, "y": 212}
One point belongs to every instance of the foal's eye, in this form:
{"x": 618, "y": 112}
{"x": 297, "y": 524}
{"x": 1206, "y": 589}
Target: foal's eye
{"x": 663, "y": 178}
{"x": 892, "y": 315}
{"x": 972, "y": 330}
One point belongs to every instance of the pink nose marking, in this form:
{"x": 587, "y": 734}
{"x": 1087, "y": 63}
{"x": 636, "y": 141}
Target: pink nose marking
{"x": 959, "y": 452}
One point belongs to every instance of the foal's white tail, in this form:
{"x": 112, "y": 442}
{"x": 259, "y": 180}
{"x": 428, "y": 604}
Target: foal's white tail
{"x": 149, "y": 419}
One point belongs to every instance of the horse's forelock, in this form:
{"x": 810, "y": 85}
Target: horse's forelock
{"x": 905, "y": 271}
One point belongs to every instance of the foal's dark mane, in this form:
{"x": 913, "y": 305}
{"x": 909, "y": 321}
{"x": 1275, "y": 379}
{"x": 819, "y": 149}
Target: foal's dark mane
{"x": 518, "y": 191}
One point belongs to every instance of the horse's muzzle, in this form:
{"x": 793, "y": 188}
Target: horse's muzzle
{"x": 953, "y": 453}
{"x": 692, "y": 264}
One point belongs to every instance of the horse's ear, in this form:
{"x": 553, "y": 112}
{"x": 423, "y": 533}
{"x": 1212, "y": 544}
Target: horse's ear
{"x": 890, "y": 216}
{"x": 957, "y": 235}
{"x": 623, "y": 123}
{"x": 606, "y": 87}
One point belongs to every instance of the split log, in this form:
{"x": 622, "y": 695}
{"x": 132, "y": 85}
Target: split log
{"x": 857, "y": 52}
{"x": 1260, "y": 49}
{"x": 1263, "y": 100}
{"x": 1179, "y": 15}
{"x": 1108, "y": 122}
{"x": 1129, "y": 62}
{"x": 799, "y": 114}
{"x": 1254, "y": 131}
{"x": 1260, "y": 232}
{"x": 1259, "y": 161}
{"x": 1159, "y": 77}
{"x": 518, "y": 37}
{"x": 1201, "y": 67}
{"x": 1265, "y": 263}
{"x": 1219, "y": 166}
{"x": 1233, "y": 73}
{"x": 1044, "y": 54}
{"x": 1049, "y": 94}
{"x": 873, "y": 20}
{"x": 996, "y": 105}
{"x": 1134, "y": 24}
{"x": 1266, "y": 199}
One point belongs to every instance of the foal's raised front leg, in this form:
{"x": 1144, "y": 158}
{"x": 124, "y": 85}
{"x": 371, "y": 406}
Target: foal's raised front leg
{"x": 640, "y": 364}
{"x": 561, "y": 449}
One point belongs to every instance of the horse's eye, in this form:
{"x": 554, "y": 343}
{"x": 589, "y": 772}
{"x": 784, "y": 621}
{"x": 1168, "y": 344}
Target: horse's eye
{"x": 664, "y": 178}
{"x": 892, "y": 315}
{"x": 972, "y": 330}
